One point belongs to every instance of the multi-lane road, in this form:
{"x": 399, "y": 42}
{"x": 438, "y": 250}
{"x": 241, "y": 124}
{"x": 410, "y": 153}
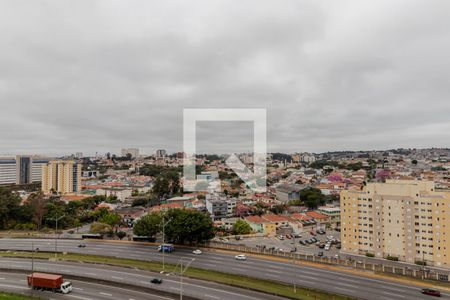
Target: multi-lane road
{"x": 332, "y": 281}
{"x": 108, "y": 282}
{"x": 16, "y": 283}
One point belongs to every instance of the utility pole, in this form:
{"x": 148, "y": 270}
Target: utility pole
{"x": 56, "y": 219}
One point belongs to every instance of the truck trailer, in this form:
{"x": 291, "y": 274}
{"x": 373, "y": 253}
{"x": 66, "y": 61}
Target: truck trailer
{"x": 50, "y": 282}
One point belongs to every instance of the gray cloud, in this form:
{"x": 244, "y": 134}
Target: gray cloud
{"x": 100, "y": 75}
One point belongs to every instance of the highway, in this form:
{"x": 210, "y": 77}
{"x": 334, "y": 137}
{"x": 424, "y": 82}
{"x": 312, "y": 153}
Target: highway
{"x": 16, "y": 283}
{"x": 345, "y": 283}
{"x": 117, "y": 276}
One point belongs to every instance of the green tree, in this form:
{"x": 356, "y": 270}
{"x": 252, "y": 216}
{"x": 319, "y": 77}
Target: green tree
{"x": 188, "y": 226}
{"x": 112, "y": 219}
{"x": 101, "y": 228}
{"x": 312, "y": 197}
{"x": 148, "y": 225}
{"x": 121, "y": 234}
{"x": 38, "y": 204}
{"x": 9, "y": 207}
{"x": 241, "y": 227}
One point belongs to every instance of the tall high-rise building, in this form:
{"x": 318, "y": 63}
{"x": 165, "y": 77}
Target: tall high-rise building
{"x": 133, "y": 151}
{"x": 406, "y": 219}
{"x": 62, "y": 177}
{"x": 161, "y": 153}
{"x": 21, "y": 169}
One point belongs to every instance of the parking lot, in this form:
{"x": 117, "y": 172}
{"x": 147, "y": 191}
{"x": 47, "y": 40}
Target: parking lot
{"x": 289, "y": 244}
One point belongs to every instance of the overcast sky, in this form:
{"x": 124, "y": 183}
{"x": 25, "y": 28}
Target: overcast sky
{"x": 333, "y": 75}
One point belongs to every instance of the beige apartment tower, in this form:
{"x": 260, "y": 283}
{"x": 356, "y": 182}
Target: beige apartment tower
{"x": 62, "y": 177}
{"x": 406, "y": 219}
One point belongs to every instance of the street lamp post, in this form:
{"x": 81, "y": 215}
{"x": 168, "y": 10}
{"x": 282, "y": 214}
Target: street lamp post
{"x": 164, "y": 223}
{"x": 56, "y": 219}
{"x": 32, "y": 267}
{"x": 182, "y": 271}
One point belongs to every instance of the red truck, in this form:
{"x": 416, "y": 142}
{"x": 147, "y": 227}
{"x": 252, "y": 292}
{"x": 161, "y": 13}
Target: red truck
{"x": 51, "y": 282}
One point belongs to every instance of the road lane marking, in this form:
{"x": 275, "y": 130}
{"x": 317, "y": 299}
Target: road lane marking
{"x": 211, "y": 296}
{"x": 105, "y": 294}
{"x": 307, "y": 276}
{"x": 14, "y": 287}
{"x": 392, "y": 294}
{"x": 77, "y": 297}
{"x": 117, "y": 277}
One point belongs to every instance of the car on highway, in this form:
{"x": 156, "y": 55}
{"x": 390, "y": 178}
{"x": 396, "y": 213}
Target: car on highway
{"x": 81, "y": 246}
{"x": 197, "y": 252}
{"x": 431, "y": 292}
{"x": 156, "y": 280}
{"x": 240, "y": 257}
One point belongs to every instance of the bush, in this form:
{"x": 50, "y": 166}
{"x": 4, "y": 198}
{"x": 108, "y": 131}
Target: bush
{"x": 393, "y": 258}
{"x": 368, "y": 254}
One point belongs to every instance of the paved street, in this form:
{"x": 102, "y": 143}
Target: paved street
{"x": 308, "y": 276}
{"x": 171, "y": 283}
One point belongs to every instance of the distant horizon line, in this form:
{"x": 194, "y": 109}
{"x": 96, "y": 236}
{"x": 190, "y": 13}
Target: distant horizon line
{"x": 220, "y": 154}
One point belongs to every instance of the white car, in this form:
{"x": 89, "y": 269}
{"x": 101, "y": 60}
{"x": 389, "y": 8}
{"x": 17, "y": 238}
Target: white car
{"x": 197, "y": 252}
{"x": 240, "y": 257}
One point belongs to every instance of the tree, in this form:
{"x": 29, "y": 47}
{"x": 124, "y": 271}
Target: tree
{"x": 148, "y": 225}
{"x": 9, "y": 207}
{"x": 112, "y": 219}
{"x": 188, "y": 226}
{"x": 121, "y": 234}
{"x": 38, "y": 204}
{"x": 414, "y": 162}
{"x": 312, "y": 197}
{"x": 241, "y": 227}
{"x": 101, "y": 228}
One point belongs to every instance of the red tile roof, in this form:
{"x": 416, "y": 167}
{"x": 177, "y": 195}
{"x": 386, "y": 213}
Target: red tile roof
{"x": 301, "y": 217}
{"x": 316, "y": 215}
{"x": 276, "y": 218}
{"x": 255, "y": 219}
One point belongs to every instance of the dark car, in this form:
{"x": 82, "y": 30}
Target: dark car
{"x": 312, "y": 233}
{"x": 302, "y": 242}
{"x": 338, "y": 246}
{"x": 321, "y": 245}
{"x": 156, "y": 280}
{"x": 320, "y": 254}
{"x": 431, "y": 292}
{"x": 81, "y": 245}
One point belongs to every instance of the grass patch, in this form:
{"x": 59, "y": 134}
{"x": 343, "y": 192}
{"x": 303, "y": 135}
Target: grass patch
{"x": 265, "y": 286}
{"x": 10, "y": 296}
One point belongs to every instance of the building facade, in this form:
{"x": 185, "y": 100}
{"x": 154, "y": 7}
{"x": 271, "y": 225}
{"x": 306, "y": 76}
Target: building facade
{"x": 406, "y": 219}
{"x": 62, "y": 177}
{"x": 134, "y": 152}
{"x": 21, "y": 169}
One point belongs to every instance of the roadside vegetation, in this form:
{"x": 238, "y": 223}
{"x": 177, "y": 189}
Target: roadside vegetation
{"x": 11, "y": 296}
